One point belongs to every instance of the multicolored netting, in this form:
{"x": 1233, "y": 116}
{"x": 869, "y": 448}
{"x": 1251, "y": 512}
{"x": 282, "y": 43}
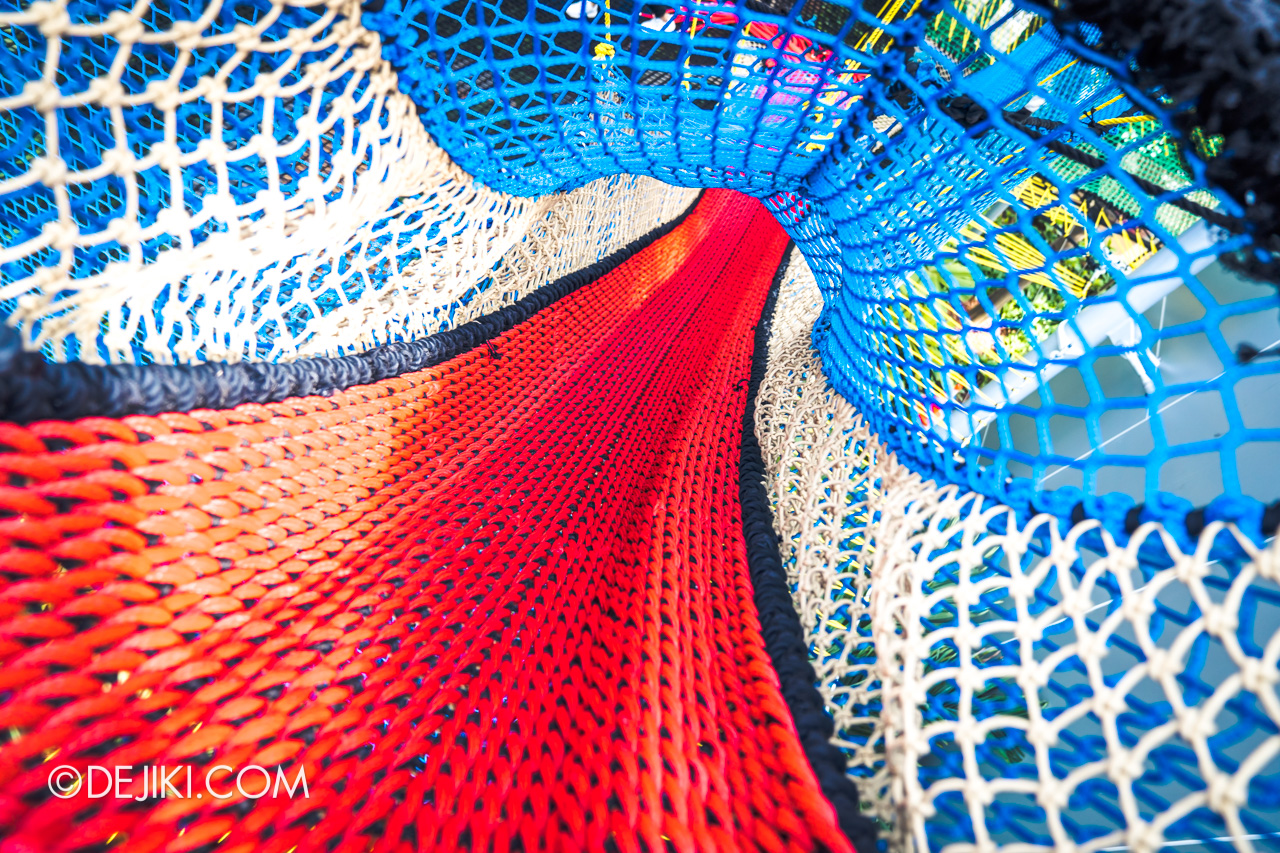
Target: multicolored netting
{"x": 1000, "y": 684}
{"x": 422, "y": 396}
{"x": 357, "y": 587}
{"x": 997, "y": 214}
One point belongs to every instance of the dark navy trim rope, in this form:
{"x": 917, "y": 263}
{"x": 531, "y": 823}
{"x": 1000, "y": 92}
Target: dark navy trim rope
{"x": 32, "y": 389}
{"x": 779, "y": 624}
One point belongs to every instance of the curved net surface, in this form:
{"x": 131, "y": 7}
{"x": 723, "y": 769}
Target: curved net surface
{"x": 328, "y": 585}
{"x": 997, "y": 215}
{"x": 996, "y": 684}
{"x": 475, "y": 555}
{"x": 988, "y": 206}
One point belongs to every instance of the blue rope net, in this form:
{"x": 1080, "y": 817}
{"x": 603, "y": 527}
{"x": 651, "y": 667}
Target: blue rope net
{"x": 988, "y": 204}
{"x": 996, "y": 216}
{"x": 998, "y": 220}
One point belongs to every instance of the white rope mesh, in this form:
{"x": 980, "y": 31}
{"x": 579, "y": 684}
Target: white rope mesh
{"x": 577, "y": 229}
{"x": 923, "y": 604}
{"x": 976, "y": 665}
{"x": 362, "y": 230}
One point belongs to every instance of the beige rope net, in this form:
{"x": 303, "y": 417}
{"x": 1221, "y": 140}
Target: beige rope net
{"x": 568, "y": 232}
{"x": 287, "y": 201}
{"x": 960, "y": 649}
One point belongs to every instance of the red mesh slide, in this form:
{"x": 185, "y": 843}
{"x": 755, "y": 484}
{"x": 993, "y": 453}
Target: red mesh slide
{"x": 500, "y": 604}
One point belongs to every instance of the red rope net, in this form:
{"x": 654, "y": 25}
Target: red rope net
{"x": 498, "y": 604}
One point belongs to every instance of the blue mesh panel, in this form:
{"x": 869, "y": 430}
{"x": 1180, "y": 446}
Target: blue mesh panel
{"x": 987, "y": 212}
{"x": 996, "y": 218}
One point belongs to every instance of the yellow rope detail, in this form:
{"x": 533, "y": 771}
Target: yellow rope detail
{"x": 604, "y": 49}
{"x": 1056, "y": 73}
{"x": 1100, "y": 106}
{"x": 1125, "y": 120}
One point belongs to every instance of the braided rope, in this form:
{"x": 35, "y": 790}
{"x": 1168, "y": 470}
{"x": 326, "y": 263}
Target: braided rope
{"x": 996, "y": 679}
{"x": 288, "y": 203}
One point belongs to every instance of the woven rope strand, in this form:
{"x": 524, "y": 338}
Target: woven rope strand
{"x": 500, "y": 603}
{"x": 998, "y": 681}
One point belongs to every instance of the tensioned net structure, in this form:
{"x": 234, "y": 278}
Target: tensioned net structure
{"x": 694, "y": 426}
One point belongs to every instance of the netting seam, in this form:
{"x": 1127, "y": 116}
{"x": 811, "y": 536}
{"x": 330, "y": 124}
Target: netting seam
{"x": 779, "y": 623}
{"x": 32, "y": 389}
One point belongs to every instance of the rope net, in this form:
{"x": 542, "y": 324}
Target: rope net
{"x": 1009, "y": 240}
{"x": 987, "y": 202}
{"x": 326, "y": 585}
{"x": 1019, "y": 420}
{"x": 999, "y": 683}
{"x": 215, "y": 182}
